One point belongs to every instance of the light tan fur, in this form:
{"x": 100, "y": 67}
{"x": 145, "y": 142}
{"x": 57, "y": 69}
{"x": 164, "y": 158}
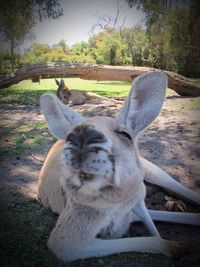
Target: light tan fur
{"x": 94, "y": 177}
{"x": 50, "y": 191}
{"x": 75, "y": 96}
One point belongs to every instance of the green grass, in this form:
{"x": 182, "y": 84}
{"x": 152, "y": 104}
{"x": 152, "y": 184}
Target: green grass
{"x": 25, "y": 226}
{"x": 194, "y": 104}
{"x": 28, "y": 93}
{"x": 24, "y": 229}
{"x": 16, "y": 140}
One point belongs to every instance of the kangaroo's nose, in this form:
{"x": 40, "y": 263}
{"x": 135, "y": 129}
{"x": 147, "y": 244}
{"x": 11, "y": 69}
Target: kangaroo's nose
{"x": 85, "y": 135}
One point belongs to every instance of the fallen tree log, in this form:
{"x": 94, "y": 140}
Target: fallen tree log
{"x": 176, "y": 82}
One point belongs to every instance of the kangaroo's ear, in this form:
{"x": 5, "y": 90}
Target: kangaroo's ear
{"x": 144, "y": 101}
{"x": 59, "y": 117}
{"x": 62, "y": 82}
{"x": 57, "y": 82}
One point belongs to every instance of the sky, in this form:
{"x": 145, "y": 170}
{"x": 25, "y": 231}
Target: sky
{"x": 79, "y": 17}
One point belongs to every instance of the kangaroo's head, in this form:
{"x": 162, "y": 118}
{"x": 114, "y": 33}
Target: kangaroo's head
{"x": 100, "y": 160}
{"x": 63, "y": 92}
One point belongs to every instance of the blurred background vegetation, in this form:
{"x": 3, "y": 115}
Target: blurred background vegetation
{"x": 169, "y": 38}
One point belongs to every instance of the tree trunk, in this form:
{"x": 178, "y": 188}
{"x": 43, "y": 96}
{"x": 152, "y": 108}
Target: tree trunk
{"x": 112, "y": 56}
{"x": 192, "y": 49}
{"x": 87, "y": 71}
{"x": 12, "y": 56}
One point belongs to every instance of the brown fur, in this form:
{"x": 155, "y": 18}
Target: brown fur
{"x": 50, "y": 190}
{"x": 76, "y": 97}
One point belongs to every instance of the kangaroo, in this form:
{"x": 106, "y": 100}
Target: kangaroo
{"x": 77, "y": 97}
{"x": 63, "y": 92}
{"x": 93, "y": 177}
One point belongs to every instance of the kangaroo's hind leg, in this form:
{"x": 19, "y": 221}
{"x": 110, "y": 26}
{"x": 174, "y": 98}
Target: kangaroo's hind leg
{"x": 173, "y": 217}
{"x": 154, "y": 175}
{"x": 141, "y": 211}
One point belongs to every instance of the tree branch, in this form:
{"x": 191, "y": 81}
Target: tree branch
{"x": 178, "y": 83}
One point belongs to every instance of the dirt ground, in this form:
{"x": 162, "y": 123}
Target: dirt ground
{"x": 172, "y": 142}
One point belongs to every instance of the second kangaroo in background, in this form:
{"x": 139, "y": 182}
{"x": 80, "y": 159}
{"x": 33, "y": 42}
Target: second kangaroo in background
{"x": 76, "y": 97}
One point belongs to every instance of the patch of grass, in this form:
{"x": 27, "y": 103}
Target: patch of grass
{"x": 171, "y": 92}
{"x": 194, "y": 104}
{"x": 13, "y": 142}
{"x": 20, "y": 98}
{"x": 9, "y": 152}
{"x": 28, "y": 93}
{"x": 25, "y": 226}
{"x": 40, "y": 125}
{"x": 36, "y": 143}
{"x": 4, "y": 132}
{"x": 11, "y": 146}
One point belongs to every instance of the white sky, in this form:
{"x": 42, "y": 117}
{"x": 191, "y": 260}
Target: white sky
{"x": 79, "y": 17}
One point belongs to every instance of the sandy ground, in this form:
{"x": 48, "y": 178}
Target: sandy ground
{"x": 172, "y": 142}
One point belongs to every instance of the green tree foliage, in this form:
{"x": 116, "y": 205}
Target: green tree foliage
{"x": 108, "y": 47}
{"x": 169, "y": 41}
{"x": 192, "y": 53}
{"x": 173, "y": 31}
{"x": 41, "y": 53}
{"x": 61, "y": 46}
{"x": 136, "y": 45}
{"x": 81, "y": 48}
{"x": 17, "y": 17}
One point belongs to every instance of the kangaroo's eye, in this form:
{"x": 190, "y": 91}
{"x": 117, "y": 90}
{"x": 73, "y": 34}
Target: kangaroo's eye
{"x": 124, "y": 134}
